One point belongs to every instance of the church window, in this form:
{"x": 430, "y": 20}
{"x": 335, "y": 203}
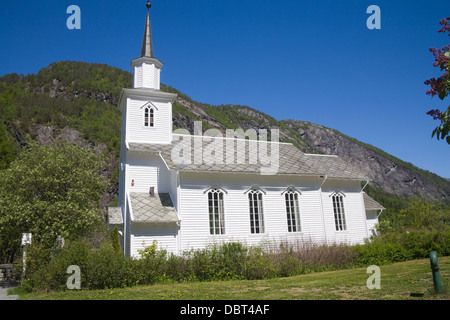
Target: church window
{"x": 255, "y": 199}
{"x": 339, "y": 214}
{"x": 292, "y": 211}
{"x": 149, "y": 117}
{"x": 216, "y": 212}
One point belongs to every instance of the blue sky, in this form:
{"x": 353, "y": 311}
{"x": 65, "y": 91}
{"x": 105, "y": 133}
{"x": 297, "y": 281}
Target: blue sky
{"x": 308, "y": 60}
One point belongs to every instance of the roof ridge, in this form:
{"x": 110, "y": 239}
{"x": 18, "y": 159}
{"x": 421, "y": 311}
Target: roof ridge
{"x": 233, "y": 138}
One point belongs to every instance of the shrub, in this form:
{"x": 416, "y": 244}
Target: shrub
{"x": 378, "y": 253}
{"x": 233, "y": 256}
{"x": 46, "y": 271}
{"x": 115, "y": 240}
{"x": 104, "y": 268}
{"x": 203, "y": 263}
{"x": 401, "y": 246}
{"x": 259, "y": 265}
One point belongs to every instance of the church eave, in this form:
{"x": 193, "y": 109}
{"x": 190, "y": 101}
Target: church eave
{"x": 158, "y": 64}
{"x": 145, "y": 93}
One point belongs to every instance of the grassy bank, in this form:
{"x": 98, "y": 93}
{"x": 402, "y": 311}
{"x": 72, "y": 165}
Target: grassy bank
{"x": 399, "y": 281}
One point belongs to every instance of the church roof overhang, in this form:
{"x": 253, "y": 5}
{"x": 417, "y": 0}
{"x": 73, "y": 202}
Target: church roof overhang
{"x": 148, "y": 60}
{"x": 371, "y": 204}
{"x": 115, "y": 216}
{"x": 145, "y": 94}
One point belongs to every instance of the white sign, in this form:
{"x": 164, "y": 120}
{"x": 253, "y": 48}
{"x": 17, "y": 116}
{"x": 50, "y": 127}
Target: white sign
{"x": 26, "y": 239}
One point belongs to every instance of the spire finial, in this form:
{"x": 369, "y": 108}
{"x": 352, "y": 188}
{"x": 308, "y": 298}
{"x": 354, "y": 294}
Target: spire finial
{"x": 149, "y": 5}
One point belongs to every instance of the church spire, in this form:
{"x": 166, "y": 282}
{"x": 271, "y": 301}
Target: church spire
{"x": 147, "y": 45}
{"x": 147, "y": 68}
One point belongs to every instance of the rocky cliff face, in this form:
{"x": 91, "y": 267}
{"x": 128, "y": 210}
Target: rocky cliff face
{"x": 385, "y": 171}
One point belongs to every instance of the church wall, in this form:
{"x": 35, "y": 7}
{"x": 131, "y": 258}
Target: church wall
{"x": 143, "y": 235}
{"x": 173, "y": 188}
{"x": 195, "y": 217}
{"x": 355, "y": 215}
{"x": 137, "y": 132}
{"x": 147, "y": 170}
{"x": 372, "y": 220}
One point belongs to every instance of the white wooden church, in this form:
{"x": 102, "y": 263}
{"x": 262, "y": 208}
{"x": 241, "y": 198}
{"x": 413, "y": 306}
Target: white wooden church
{"x": 188, "y": 191}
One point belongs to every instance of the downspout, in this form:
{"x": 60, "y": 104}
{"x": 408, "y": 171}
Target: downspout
{"x": 367, "y": 182}
{"x": 323, "y": 181}
{"x": 125, "y": 203}
{"x": 379, "y": 214}
{"x": 125, "y": 226}
{"x": 178, "y": 212}
{"x": 321, "y": 208}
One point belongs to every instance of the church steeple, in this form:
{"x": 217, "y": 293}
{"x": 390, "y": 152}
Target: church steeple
{"x": 147, "y": 45}
{"x": 147, "y": 68}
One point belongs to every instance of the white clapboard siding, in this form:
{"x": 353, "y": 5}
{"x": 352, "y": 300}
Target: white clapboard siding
{"x": 355, "y": 215}
{"x": 137, "y": 132}
{"x": 195, "y": 218}
{"x": 143, "y": 235}
{"x": 173, "y": 187}
{"x": 372, "y": 221}
{"x": 147, "y": 170}
{"x": 138, "y": 77}
{"x": 146, "y": 76}
{"x": 150, "y": 76}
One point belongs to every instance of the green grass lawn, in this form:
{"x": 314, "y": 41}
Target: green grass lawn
{"x": 398, "y": 282}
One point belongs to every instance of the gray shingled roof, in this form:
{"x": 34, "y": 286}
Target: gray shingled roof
{"x": 291, "y": 161}
{"x": 156, "y": 209}
{"x": 371, "y": 204}
{"x": 115, "y": 215}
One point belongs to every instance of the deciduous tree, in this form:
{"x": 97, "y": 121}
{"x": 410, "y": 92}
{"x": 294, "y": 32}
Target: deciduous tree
{"x": 49, "y": 191}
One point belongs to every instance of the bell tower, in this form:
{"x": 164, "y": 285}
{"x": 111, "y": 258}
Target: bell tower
{"x": 146, "y": 110}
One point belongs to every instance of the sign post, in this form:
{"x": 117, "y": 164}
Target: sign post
{"x": 26, "y": 241}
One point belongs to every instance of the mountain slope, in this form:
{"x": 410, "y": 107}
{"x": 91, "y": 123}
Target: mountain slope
{"x": 77, "y": 101}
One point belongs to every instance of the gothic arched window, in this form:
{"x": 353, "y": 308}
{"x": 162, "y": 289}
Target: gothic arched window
{"x": 149, "y": 117}
{"x": 216, "y": 212}
{"x": 339, "y": 213}
{"x": 255, "y": 201}
{"x": 292, "y": 210}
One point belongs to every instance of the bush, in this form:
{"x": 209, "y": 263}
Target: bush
{"x": 259, "y": 265}
{"x": 402, "y": 246}
{"x": 233, "y": 255}
{"x": 377, "y": 253}
{"x": 46, "y": 271}
{"x": 105, "y": 268}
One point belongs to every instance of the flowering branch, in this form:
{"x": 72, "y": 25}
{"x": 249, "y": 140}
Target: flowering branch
{"x": 441, "y": 85}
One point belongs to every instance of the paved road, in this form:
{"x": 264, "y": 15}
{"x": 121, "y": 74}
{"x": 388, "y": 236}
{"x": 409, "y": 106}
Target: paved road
{"x": 4, "y": 295}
